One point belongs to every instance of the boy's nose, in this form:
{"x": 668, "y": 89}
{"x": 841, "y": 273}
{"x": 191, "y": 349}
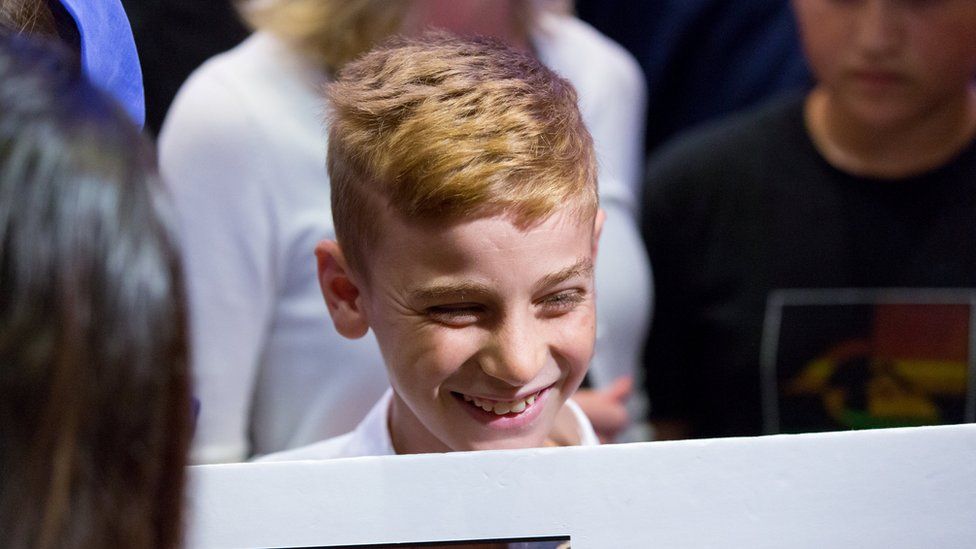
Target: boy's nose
{"x": 879, "y": 26}
{"x": 517, "y": 352}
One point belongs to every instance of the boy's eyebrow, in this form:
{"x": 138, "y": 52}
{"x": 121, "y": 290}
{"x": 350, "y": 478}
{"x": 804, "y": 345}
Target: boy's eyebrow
{"x": 582, "y": 268}
{"x": 451, "y": 289}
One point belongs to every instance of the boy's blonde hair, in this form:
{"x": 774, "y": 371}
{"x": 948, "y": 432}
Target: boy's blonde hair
{"x": 440, "y": 128}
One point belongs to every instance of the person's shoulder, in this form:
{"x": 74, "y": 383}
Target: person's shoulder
{"x": 739, "y": 139}
{"x": 737, "y": 130}
{"x": 213, "y": 93}
{"x": 572, "y": 47}
{"x": 584, "y": 36}
{"x": 708, "y": 165}
{"x": 246, "y": 70}
{"x": 244, "y": 109}
{"x": 256, "y": 55}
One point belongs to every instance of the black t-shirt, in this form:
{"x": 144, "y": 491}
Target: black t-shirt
{"x": 741, "y": 208}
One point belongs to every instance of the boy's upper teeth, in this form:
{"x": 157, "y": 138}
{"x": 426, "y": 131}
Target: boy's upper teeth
{"x": 502, "y": 407}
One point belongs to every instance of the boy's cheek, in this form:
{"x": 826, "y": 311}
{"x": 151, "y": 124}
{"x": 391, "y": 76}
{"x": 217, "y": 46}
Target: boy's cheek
{"x": 577, "y": 337}
{"x": 439, "y": 349}
{"x": 586, "y": 318}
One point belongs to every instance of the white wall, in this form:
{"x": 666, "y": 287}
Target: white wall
{"x": 897, "y": 488}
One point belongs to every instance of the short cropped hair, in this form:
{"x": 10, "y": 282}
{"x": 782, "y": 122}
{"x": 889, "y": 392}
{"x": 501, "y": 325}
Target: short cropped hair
{"x": 95, "y": 410}
{"x": 440, "y": 128}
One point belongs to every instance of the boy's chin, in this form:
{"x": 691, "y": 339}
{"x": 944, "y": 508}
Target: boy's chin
{"x": 519, "y": 443}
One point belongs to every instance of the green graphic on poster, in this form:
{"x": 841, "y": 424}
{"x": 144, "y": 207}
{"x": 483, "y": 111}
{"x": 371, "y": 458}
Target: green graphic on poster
{"x": 836, "y": 360}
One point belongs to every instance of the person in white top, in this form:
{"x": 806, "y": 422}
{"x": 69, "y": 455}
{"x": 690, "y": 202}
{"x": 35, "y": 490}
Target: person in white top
{"x": 244, "y": 151}
{"x": 467, "y": 219}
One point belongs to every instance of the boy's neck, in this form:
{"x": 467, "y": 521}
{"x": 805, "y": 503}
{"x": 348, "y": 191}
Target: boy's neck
{"x": 565, "y": 430}
{"x": 408, "y": 434}
{"x": 892, "y": 152}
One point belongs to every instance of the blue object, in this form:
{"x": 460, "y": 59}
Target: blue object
{"x": 108, "y": 52}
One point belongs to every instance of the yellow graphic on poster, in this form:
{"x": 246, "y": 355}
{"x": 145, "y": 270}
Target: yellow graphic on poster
{"x": 864, "y": 366}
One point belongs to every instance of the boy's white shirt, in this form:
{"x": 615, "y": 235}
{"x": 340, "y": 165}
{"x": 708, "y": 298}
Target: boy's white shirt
{"x": 372, "y": 437}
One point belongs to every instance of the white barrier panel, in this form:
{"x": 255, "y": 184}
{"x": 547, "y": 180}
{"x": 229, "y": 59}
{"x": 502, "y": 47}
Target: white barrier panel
{"x": 910, "y": 488}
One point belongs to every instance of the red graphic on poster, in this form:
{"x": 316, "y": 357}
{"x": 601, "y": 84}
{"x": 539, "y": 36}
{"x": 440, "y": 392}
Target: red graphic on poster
{"x": 893, "y": 365}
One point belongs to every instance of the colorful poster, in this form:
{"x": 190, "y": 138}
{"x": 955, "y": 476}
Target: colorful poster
{"x": 863, "y": 359}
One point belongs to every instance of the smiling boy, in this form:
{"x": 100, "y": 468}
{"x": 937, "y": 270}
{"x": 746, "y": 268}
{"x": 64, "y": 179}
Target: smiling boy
{"x": 466, "y": 213}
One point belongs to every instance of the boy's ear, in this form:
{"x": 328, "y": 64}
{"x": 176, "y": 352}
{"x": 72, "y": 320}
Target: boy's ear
{"x": 342, "y": 294}
{"x": 601, "y": 216}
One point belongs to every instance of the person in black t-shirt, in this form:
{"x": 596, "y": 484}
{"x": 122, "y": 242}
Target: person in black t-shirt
{"x": 867, "y": 182}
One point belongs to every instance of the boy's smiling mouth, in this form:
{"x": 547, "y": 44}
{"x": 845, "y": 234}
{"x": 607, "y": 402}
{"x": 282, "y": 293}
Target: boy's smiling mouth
{"x": 503, "y": 407}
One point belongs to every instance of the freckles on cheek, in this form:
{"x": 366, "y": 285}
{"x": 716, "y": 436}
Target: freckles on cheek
{"x": 578, "y": 337}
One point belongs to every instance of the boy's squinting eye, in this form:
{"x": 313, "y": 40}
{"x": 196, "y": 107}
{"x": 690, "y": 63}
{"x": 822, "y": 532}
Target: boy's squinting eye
{"x": 456, "y": 314}
{"x": 562, "y": 302}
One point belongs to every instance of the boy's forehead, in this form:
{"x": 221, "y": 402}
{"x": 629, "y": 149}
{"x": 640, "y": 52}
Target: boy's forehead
{"x": 565, "y": 234}
{"x": 575, "y": 211}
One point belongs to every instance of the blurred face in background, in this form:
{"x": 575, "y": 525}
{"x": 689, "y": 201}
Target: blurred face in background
{"x": 505, "y": 20}
{"x": 890, "y": 63}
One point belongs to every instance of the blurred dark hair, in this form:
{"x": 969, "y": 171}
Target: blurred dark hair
{"x": 44, "y": 18}
{"x": 94, "y": 398}
{"x": 28, "y": 16}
